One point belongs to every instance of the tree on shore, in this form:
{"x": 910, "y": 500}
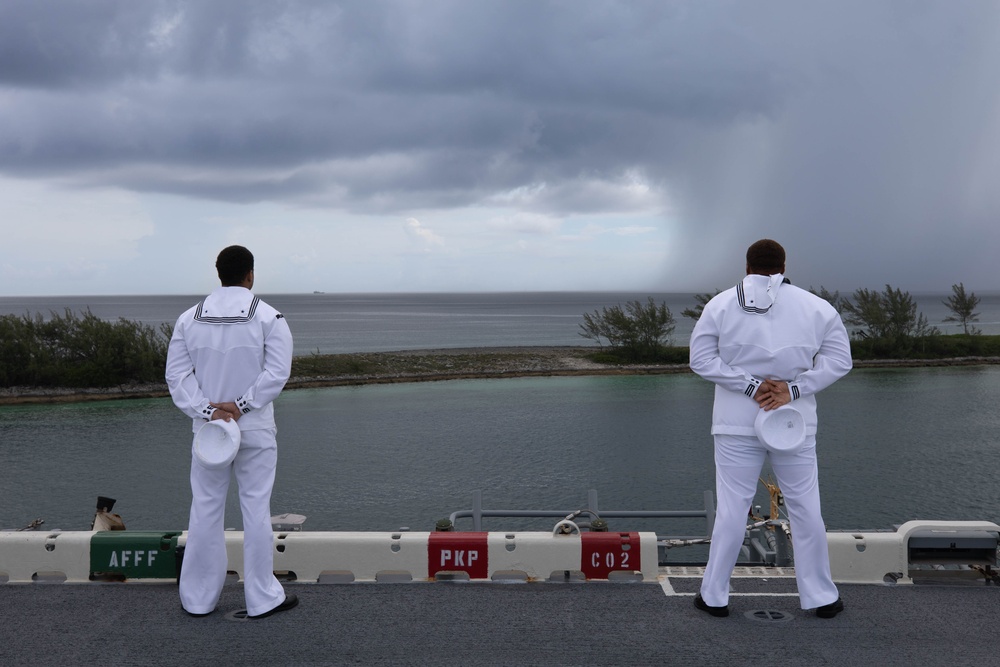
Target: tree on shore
{"x": 833, "y": 298}
{"x": 963, "y": 308}
{"x": 639, "y": 331}
{"x": 888, "y": 319}
{"x": 701, "y": 301}
{"x": 73, "y": 350}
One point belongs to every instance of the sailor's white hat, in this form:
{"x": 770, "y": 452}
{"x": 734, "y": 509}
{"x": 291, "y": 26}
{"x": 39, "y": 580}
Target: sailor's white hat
{"x": 782, "y": 430}
{"x": 216, "y": 443}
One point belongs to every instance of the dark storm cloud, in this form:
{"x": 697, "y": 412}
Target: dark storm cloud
{"x": 289, "y": 84}
{"x": 860, "y": 128}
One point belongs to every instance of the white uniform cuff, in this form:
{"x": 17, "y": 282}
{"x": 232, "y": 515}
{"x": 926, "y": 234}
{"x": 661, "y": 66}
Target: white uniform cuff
{"x": 793, "y": 390}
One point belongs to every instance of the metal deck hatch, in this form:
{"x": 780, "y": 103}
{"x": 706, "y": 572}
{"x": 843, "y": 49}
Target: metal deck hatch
{"x": 948, "y": 547}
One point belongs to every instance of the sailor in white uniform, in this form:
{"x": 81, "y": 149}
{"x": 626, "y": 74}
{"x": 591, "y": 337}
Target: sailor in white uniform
{"x": 766, "y": 343}
{"x": 229, "y": 358}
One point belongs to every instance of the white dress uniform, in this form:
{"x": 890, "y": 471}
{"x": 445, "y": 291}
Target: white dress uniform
{"x": 764, "y": 328}
{"x": 231, "y": 347}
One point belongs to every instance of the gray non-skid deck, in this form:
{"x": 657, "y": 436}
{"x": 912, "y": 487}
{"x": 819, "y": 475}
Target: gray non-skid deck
{"x": 945, "y": 623}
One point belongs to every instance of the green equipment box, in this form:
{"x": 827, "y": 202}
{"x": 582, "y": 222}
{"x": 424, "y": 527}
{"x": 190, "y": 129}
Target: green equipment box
{"x": 124, "y": 554}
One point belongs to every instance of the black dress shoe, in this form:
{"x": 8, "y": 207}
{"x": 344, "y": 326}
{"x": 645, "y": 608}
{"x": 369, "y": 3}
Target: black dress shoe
{"x": 191, "y": 613}
{"x": 714, "y": 611}
{"x": 830, "y": 610}
{"x": 290, "y": 601}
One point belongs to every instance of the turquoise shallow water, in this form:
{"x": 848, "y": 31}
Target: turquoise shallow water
{"x": 894, "y": 445}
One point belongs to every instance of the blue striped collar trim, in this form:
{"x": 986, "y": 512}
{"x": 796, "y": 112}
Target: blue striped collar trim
{"x": 741, "y": 297}
{"x": 198, "y": 317}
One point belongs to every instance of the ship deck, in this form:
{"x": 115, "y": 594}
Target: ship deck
{"x": 942, "y": 622}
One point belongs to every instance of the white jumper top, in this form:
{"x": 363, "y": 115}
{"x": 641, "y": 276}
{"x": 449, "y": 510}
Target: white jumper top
{"x": 230, "y": 347}
{"x": 764, "y": 329}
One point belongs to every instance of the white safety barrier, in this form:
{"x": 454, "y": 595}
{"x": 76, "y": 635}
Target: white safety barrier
{"x": 27, "y": 556}
{"x": 593, "y": 556}
{"x": 882, "y": 557}
{"x": 532, "y": 556}
{"x": 420, "y": 556}
{"x": 855, "y": 557}
{"x": 352, "y": 556}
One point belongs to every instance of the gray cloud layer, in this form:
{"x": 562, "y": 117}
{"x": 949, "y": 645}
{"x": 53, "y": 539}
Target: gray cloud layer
{"x": 864, "y": 135}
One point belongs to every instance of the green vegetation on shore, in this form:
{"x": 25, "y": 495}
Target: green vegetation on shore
{"x": 84, "y": 351}
{"x": 72, "y": 350}
{"x": 637, "y": 333}
{"x": 886, "y": 325}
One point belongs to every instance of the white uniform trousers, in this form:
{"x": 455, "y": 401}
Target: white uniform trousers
{"x": 738, "y": 462}
{"x": 204, "y": 567}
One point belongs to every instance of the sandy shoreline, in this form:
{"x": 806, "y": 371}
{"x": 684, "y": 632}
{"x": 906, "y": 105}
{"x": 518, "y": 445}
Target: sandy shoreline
{"x": 432, "y": 366}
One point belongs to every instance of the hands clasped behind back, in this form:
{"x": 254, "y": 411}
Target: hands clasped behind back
{"x": 772, "y": 394}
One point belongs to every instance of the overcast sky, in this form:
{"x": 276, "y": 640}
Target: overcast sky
{"x": 477, "y": 145}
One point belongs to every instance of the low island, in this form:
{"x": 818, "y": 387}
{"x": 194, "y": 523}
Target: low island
{"x": 360, "y": 368}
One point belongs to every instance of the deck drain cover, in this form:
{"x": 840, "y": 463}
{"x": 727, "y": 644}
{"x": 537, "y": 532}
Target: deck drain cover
{"x": 238, "y": 615}
{"x": 769, "y": 616}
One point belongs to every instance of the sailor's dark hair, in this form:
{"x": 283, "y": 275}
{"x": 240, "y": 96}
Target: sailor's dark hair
{"x": 233, "y": 265}
{"x": 766, "y": 257}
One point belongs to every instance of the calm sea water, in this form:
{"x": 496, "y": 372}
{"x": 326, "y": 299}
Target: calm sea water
{"x": 894, "y": 444}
